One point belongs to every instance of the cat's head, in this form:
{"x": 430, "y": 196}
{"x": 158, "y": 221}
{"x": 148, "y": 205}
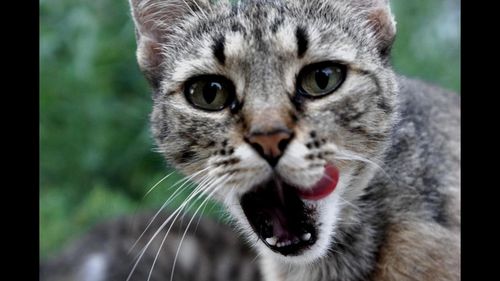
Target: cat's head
{"x": 276, "y": 108}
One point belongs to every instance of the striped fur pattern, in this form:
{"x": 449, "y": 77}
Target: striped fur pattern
{"x": 394, "y": 214}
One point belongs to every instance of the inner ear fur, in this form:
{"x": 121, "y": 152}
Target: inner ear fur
{"x": 379, "y": 19}
{"x": 384, "y": 27}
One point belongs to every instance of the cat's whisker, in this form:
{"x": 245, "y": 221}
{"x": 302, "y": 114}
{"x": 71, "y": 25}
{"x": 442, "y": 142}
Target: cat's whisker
{"x": 196, "y": 200}
{"x": 199, "y": 218}
{"x": 156, "y": 184}
{"x": 169, "y": 200}
{"x": 340, "y": 231}
{"x": 168, "y": 231}
{"x": 335, "y": 251}
{"x": 174, "y": 213}
{"x": 190, "y": 221}
{"x": 204, "y": 185}
{"x": 258, "y": 255}
{"x": 147, "y": 244}
{"x": 189, "y": 179}
{"x": 211, "y": 210}
{"x": 163, "y": 242}
{"x": 203, "y": 191}
{"x": 349, "y": 155}
{"x": 349, "y": 203}
{"x": 199, "y": 191}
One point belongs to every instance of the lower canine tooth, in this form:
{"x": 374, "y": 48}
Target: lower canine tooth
{"x": 271, "y": 241}
{"x": 306, "y": 236}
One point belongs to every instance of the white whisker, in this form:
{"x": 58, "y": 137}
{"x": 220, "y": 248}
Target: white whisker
{"x": 156, "y": 184}
{"x": 205, "y": 185}
{"x": 169, "y": 200}
{"x": 190, "y": 221}
{"x": 200, "y": 217}
{"x": 166, "y": 235}
{"x": 349, "y": 203}
{"x": 349, "y": 155}
{"x": 175, "y": 213}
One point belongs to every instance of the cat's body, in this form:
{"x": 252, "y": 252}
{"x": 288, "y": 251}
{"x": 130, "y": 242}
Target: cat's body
{"x": 210, "y": 251}
{"x": 332, "y": 167}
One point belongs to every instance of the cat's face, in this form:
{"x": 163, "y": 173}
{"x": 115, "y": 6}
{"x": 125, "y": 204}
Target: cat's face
{"x": 273, "y": 107}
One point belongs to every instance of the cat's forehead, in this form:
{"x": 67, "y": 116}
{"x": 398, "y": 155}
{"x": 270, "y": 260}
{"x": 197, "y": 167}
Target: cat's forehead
{"x": 270, "y": 26}
{"x": 258, "y": 35}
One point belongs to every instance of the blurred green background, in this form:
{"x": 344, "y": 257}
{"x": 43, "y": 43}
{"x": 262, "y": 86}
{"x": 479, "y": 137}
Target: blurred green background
{"x": 96, "y": 158}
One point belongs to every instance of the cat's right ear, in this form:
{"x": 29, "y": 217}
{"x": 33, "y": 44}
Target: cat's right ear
{"x": 154, "y": 21}
{"x": 381, "y": 21}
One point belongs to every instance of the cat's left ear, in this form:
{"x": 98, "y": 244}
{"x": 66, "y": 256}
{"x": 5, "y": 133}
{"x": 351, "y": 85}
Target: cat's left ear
{"x": 154, "y": 22}
{"x": 381, "y": 20}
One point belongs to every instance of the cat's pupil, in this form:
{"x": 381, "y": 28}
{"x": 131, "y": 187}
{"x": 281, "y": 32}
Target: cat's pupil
{"x": 210, "y": 91}
{"x": 322, "y": 77}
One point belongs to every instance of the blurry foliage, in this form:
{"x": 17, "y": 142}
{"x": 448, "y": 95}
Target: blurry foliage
{"x": 96, "y": 157}
{"x": 428, "y": 40}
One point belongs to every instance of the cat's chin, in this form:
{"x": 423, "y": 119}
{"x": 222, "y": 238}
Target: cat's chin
{"x": 285, "y": 217}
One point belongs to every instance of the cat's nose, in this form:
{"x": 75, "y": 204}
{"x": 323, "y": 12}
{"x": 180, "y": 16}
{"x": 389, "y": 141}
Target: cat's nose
{"x": 270, "y": 145}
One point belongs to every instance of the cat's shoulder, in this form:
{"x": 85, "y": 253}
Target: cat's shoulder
{"x": 425, "y": 151}
{"x": 417, "y": 95}
{"x": 429, "y": 114}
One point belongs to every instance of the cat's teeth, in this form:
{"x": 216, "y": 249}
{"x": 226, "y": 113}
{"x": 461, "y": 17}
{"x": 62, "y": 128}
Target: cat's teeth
{"x": 272, "y": 241}
{"x": 306, "y": 236}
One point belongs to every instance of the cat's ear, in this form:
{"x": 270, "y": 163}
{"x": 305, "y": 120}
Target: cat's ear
{"x": 381, "y": 20}
{"x": 154, "y": 21}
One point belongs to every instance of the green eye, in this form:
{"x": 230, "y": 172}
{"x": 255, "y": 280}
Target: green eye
{"x": 210, "y": 92}
{"x": 320, "y": 79}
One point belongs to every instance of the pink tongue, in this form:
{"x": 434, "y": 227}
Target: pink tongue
{"x": 324, "y": 186}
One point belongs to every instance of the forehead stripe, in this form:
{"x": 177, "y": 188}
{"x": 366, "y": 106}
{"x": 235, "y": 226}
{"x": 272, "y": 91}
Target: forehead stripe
{"x": 218, "y": 49}
{"x": 302, "y": 41}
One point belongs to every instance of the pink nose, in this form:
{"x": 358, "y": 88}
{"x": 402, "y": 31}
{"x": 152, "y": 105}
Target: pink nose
{"x": 270, "y": 145}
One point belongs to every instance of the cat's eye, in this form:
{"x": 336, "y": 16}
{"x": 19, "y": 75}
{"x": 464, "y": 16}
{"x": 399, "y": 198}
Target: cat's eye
{"x": 320, "y": 79}
{"x": 209, "y": 92}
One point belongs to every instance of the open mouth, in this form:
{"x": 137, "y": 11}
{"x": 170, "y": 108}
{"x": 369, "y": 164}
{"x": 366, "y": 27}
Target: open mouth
{"x": 277, "y": 212}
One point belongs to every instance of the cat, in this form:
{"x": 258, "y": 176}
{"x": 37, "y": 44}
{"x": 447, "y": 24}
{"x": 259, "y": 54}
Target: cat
{"x": 331, "y": 166}
{"x": 108, "y": 252}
